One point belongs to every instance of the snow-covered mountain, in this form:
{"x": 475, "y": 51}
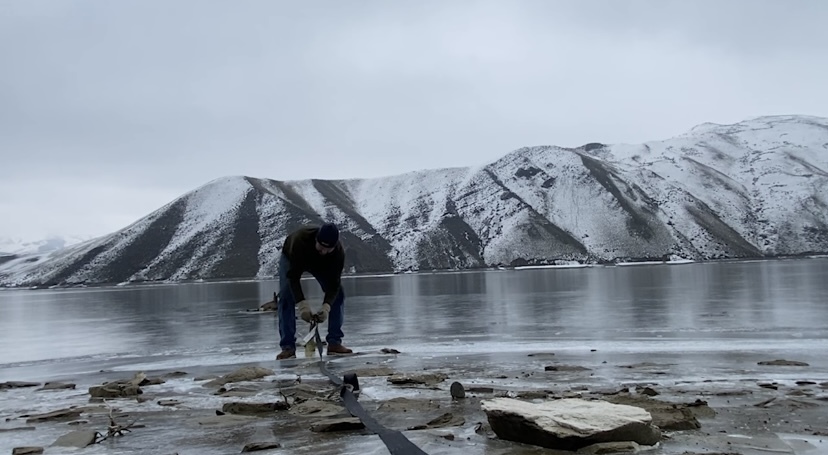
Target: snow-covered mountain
{"x": 753, "y": 189}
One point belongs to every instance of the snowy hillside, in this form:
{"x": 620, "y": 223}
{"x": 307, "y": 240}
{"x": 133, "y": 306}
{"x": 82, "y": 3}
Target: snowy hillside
{"x": 756, "y": 188}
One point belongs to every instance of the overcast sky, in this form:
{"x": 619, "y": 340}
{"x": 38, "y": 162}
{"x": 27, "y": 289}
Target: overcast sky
{"x": 110, "y": 109}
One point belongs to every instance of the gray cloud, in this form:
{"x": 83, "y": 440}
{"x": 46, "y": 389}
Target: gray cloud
{"x": 128, "y": 104}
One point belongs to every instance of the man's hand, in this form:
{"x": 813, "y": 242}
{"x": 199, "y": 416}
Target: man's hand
{"x": 322, "y": 315}
{"x": 305, "y": 311}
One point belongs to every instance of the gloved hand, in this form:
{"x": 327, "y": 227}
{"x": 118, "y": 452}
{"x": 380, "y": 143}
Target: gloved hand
{"x": 322, "y": 315}
{"x": 305, "y": 311}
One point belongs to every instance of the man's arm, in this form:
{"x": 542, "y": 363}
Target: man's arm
{"x": 294, "y": 273}
{"x": 334, "y": 281}
{"x": 294, "y": 276}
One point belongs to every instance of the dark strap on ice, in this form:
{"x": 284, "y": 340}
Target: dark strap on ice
{"x": 395, "y": 442}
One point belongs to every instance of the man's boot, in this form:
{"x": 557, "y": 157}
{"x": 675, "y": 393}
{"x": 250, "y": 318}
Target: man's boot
{"x": 338, "y": 349}
{"x": 286, "y": 354}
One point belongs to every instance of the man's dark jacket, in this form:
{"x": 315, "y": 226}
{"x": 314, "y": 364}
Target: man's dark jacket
{"x": 300, "y": 249}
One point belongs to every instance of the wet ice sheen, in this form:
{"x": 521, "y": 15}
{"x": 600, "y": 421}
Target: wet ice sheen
{"x": 707, "y": 321}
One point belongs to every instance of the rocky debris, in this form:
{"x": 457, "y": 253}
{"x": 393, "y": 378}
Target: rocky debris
{"x": 169, "y": 403}
{"x": 428, "y": 379}
{"x": 257, "y": 446}
{"x": 446, "y": 420}
{"x": 17, "y": 385}
{"x": 307, "y": 392}
{"x": 768, "y": 385}
{"x": 115, "y": 390}
{"x": 77, "y": 438}
{"x": 665, "y": 415}
{"x": 603, "y": 448}
{"x": 123, "y": 388}
{"x": 317, "y": 408}
{"x": 332, "y": 425}
{"x": 389, "y": 351}
{"x": 236, "y": 392}
{"x": 241, "y": 375}
{"x": 649, "y": 391}
{"x": 27, "y": 450}
{"x": 245, "y": 408}
{"x": 457, "y": 390}
{"x": 783, "y": 363}
{"x": 78, "y": 422}
{"x": 565, "y": 368}
{"x": 569, "y": 424}
{"x": 9, "y": 430}
{"x": 532, "y": 394}
{"x": 60, "y": 414}
{"x": 57, "y": 386}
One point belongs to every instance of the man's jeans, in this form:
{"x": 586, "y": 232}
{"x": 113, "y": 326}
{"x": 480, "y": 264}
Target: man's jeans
{"x": 287, "y": 310}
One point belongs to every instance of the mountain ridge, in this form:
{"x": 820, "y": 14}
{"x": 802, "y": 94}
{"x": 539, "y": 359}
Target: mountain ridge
{"x": 751, "y": 189}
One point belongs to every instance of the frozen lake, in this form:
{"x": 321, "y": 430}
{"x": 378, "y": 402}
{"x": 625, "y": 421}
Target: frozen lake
{"x": 708, "y": 320}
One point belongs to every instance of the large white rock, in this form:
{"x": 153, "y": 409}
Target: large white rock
{"x": 569, "y": 424}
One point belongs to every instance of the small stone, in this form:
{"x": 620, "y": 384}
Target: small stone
{"x": 27, "y": 450}
{"x": 8, "y": 430}
{"x": 79, "y": 439}
{"x": 332, "y": 425}
{"x": 603, "y": 448}
{"x": 448, "y": 437}
{"x": 17, "y": 384}
{"x": 151, "y": 381}
{"x": 389, "y": 351}
{"x": 61, "y": 414}
{"x": 649, "y": 391}
{"x": 256, "y": 446}
{"x": 244, "y": 408}
{"x": 457, "y": 390}
{"x": 803, "y": 383}
{"x": 784, "y": 363}
{"x": 563, "y": 368}
{"x": 446, "y": 420}
{"x": 417, "y": 379}
{"x": 115, "y": 390}
{"x": 169, "y": 403}
{"x": 57, "y": 386}
{"x": 532, "y": 394}
{"x": 241, "y": 375}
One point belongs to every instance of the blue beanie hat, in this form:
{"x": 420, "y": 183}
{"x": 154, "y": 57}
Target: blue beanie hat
{"x": 328, "y": 235}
